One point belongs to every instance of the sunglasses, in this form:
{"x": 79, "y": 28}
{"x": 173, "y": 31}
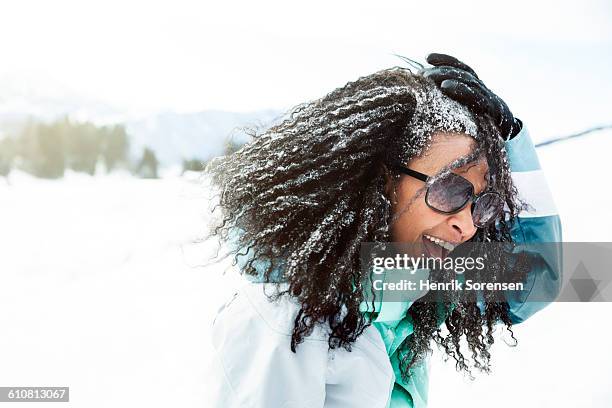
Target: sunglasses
{"x": 450, "y": 193}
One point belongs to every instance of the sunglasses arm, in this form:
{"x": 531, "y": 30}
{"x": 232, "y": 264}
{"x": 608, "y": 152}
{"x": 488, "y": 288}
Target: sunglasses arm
{"x": 416, "y": 174}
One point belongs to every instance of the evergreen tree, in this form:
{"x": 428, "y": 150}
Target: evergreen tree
{"x": 7, "y": 156}
{"x": 115, "y": 147}
{"x": 41, "y": 149}
{"x": 147, "y": 166}
{"x": 193, "y": 165}
{"x": 84, "y": 144}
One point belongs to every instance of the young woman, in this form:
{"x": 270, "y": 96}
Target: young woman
{"x": 427, "y": 158}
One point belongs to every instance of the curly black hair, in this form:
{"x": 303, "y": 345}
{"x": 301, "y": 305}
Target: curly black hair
{"x": 306, "y": 193}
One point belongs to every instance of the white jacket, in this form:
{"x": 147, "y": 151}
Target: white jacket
{"x": 254, "y": 366}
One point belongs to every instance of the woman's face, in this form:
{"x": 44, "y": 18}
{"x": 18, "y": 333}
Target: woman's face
{"x": 415, "y": 219}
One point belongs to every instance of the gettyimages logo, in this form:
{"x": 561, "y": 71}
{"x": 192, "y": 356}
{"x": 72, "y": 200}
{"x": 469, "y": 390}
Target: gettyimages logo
{"x": 517, "y": 272}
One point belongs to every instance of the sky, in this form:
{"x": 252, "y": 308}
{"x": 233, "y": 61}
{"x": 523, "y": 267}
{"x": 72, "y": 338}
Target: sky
{"x": 545, "y": 58}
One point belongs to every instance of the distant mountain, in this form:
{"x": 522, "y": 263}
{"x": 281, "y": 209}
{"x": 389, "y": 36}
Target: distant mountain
{"x": 173, "y": 136}
{"x": 202, "y": 135}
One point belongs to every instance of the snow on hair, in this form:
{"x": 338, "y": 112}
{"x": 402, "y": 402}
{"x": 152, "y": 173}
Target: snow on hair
{"x": 302, "y": 196}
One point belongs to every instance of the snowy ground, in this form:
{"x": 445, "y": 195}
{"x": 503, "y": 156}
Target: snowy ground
{"x": 101, "y": 289}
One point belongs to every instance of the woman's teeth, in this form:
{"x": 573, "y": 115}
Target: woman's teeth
{"x": 446, "y": 245}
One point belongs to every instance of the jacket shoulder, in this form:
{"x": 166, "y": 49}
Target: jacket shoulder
{"x": 252, "y": 345}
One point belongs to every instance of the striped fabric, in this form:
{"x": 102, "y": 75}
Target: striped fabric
{"x": 540, "y": 223}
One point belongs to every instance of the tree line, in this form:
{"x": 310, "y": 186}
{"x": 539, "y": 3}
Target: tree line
{"x": 47, "y": 150}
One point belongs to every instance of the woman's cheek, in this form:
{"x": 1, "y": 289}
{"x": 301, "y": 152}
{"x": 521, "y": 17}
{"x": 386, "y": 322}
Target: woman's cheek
{"x": 406, "y": 227}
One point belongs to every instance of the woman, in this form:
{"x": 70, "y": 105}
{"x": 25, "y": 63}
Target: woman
{"x": 349, "y": 168}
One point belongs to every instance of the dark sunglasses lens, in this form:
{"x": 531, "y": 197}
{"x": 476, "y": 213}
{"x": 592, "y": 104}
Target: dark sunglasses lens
{"x": 449, "y": 193}
{"x": 487, "y": 208}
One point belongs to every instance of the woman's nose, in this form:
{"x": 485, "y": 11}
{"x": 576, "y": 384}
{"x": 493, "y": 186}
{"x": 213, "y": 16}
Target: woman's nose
{"x": 463, "y": 223}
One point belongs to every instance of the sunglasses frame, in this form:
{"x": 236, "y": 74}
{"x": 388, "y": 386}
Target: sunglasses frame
{"x": 474, "y": 197}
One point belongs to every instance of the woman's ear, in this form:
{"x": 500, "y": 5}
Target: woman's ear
{"x": 389, "y": 185}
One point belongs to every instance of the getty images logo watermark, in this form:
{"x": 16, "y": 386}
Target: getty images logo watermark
{"x": 542, "y": 272}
